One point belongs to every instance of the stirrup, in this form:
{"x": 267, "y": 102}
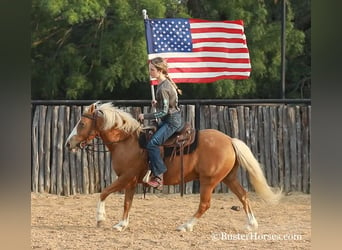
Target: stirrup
{"x": 156, "y": 182}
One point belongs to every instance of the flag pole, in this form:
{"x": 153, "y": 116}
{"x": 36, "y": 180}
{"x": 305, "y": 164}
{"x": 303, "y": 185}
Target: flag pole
{"x": 153, "y": 109}
{"x": 145, "y": 16}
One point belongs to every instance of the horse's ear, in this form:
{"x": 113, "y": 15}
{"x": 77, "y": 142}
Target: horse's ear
{"x": 99, "y": 113}
{"x": 94, "y": 106}
{"x": 91, "y": 108}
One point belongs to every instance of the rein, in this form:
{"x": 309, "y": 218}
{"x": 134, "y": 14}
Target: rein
{"x": 90, "y": 147}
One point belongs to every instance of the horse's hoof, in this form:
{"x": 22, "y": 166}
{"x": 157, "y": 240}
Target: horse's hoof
{"x": 181, "y": 229}
{"x": 185, "y": 228}
{"x": 100, "y": 223}
{"x": 252, "y": 227}
{"x": 119, "y": 228}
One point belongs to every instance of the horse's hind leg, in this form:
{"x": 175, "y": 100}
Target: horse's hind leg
{"x": 205, "y": 197}
{"x": 233, "y": 184}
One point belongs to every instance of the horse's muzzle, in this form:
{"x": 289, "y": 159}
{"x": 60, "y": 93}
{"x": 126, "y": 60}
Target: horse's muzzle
{"x": 71, "y": 148}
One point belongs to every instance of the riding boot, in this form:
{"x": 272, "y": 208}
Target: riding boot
{"x": 156, "y": 182}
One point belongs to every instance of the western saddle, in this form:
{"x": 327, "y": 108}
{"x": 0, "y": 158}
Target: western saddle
{"x": 180, "y": 140}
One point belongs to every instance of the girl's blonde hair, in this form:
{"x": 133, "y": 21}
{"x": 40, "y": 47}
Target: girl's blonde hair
{"x": 161, "y": 64}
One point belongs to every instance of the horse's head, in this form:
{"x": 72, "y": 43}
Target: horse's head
{"x": 114, "y": 124}
{"x": 85, "y": 129}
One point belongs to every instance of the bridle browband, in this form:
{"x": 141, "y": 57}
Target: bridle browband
{"x": 93, "y": 117}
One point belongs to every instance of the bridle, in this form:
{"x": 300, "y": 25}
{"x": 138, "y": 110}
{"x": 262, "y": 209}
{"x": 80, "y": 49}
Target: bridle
{"x": 84, "y": 144}
{"x": 89, "y": 147}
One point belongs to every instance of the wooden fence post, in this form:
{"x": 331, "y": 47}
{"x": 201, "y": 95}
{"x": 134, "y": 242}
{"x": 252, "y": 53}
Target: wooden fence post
{"x": 35, "y": 153}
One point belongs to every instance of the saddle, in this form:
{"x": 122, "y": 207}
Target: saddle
{"x": 181, "y": 142}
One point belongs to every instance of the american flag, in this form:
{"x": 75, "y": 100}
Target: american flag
{"x": 199, "y": 51}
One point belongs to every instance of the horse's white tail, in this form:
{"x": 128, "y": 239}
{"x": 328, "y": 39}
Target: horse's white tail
{"x": 247, "y": 160}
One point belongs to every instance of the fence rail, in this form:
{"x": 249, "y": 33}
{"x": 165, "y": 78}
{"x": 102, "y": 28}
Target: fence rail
{"x": 278, "y": 135}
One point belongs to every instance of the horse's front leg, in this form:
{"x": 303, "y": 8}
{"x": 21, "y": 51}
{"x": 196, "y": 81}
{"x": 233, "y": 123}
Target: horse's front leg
{"x": 117, "y": 185}
{"x": 129, "y": 194}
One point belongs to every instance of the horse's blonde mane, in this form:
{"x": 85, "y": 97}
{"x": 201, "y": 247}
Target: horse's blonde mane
{"x": 118, "y": 119}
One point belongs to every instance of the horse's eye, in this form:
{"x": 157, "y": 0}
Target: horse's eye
{"x": 82, "y": 125}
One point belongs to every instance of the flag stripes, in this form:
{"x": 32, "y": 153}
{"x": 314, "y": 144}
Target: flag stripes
{"x": 199, "y": 51}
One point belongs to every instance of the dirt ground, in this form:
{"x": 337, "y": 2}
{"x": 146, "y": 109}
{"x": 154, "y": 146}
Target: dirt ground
{"x": 59, "y": 222}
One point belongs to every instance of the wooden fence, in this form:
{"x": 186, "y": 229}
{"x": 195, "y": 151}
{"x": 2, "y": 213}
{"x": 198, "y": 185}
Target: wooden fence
{"x": 278, "y": 135}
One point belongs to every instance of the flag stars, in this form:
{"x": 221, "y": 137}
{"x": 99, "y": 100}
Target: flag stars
{"x": 171, "y": 36}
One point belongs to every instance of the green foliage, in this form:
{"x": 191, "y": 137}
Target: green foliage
{"x": 74, "y": 11}
{"x": 96, "y": 49}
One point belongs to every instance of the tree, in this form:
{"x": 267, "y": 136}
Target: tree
{"x": 262, "y": 21}
{"x": 299, "y": 72}
{"x": 96, "y": 49}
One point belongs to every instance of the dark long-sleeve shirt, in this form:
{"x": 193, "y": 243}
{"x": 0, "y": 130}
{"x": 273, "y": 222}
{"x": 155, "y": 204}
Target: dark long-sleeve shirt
{"x": 167, "y": 101}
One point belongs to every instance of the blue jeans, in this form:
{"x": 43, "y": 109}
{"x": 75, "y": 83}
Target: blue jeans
{"x": 166, "y": 128}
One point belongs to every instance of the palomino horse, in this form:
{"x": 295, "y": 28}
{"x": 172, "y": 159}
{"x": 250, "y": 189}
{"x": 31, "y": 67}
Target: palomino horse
{"x": 216, "y": 158}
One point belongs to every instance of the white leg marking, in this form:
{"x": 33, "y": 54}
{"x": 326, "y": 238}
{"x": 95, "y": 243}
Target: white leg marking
{"x": 252, "y": 223}
{"x": 188, "y": 226}
{"x": 122, "y": 225}
{"x": 101, "y": 211}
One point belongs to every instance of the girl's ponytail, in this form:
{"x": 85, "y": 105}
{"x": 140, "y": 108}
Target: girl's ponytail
{"x": 179, "y": 91}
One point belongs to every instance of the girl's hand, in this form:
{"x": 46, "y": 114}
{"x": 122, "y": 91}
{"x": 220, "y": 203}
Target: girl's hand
{"x": 140, "y": 117}
{"x": 154, "y": 103}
